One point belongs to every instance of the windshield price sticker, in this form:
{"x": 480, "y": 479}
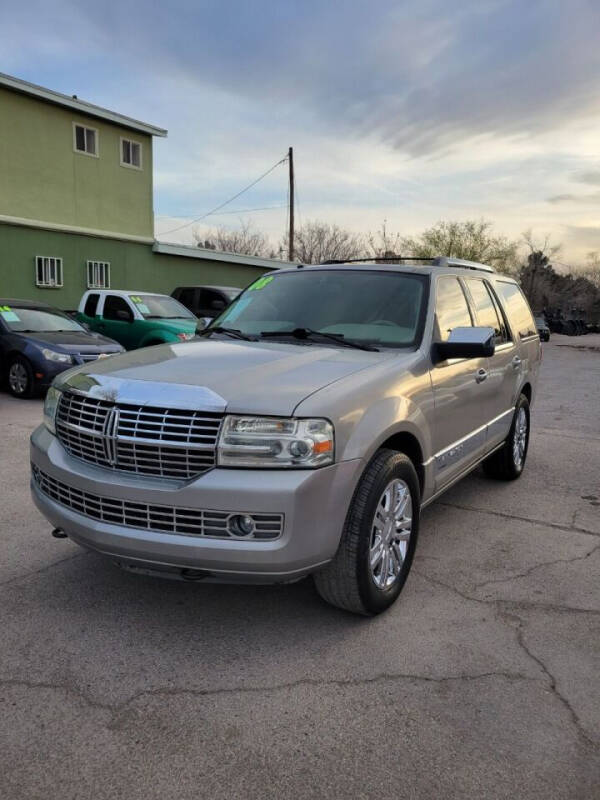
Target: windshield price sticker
{"x": 260, "y": 283}
{"x": 141, "y": 306}
{"x": 8, "y": 314}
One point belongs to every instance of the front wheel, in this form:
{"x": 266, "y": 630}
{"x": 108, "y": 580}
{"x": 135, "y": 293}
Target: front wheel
{"x": 20, "y": 378}
{"x": 507, "y": 463}
{"x": 379, "y": 538}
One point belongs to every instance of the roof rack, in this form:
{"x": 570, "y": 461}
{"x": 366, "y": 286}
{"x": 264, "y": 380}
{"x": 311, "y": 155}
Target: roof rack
{"x": 443, "y": 261}
{"x": 438, "y": 261}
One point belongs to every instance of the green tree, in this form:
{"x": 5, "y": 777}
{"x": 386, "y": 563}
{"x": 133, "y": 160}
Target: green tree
{"x": 472, "y": 240}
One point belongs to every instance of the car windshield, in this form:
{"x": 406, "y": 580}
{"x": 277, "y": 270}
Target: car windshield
{"x": 382, "y": 308}
{"x": 38, "y": 320}
{"x": 231, "y": 294}
{"x": 160, "y": 306}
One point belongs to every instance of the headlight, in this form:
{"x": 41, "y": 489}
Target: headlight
{"x": 267, "y": 442}
{"x": 50, "y": 408}
{"x": 52, "y": 355}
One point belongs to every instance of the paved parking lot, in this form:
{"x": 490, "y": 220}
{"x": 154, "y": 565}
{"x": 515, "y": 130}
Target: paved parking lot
{"x": 481, "y": 682}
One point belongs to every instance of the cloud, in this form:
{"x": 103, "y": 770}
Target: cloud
{"x": 590, "y": 176}
{"x": 411, "y": 111}
{"x": 420, "y": 77}
{"x": 584, "y": 199}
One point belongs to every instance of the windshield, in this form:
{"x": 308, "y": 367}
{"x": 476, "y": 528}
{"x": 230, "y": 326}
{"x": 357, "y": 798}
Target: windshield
{"x": 372, "y": 307}
{"x": 37, "y": 320}
{"x": 231, "y": 294}
{"x": 160, "y": 306}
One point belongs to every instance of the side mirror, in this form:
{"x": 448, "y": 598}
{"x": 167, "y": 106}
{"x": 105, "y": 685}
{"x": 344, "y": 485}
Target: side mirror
{"x": 217, "y": 305}
{"x": 466, "y": 343}
{"x": 124, "y": 316}
{"x": 203, "y": 322}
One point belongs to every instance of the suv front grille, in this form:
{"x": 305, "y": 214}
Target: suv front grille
{"x": 165, "y": 519}
{"x": 163, "y": 442}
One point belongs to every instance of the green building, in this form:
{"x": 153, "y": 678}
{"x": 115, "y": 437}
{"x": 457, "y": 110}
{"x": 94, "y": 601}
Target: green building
{"x": 76, "y": 205}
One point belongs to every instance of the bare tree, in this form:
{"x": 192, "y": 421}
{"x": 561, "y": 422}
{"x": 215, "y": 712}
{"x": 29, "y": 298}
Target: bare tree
{"x": 316, "y": 242}
{"x": 472, "y": 240}
{"x": 591, "y": 270}
{"x": 246, "y": 240}
{"x": 537, "y": 276}
{"x": 383, "y": 243}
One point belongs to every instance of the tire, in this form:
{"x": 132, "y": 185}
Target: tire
{"x": 20, "y": 377}
{"x": 349, "y": 581}
{"x": 507, "y": 464}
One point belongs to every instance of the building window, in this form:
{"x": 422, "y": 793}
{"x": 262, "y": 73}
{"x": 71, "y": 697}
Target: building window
{"x": 85, "y": 140}
{"x": 131, "y": 153}
{"x": 98, "y": 275}
{"x": 48, "y": 272}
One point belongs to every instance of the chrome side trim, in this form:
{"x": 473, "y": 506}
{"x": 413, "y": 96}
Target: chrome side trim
{"x": 464, "y": 439}
{"x": 460, "y": 476}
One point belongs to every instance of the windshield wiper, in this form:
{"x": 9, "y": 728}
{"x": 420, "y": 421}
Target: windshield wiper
{"x": 309, "y": 333}
{"x": 235, "y": 333}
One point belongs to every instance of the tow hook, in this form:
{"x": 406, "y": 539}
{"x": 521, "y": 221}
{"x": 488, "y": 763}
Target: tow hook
{"x": 195, "y": 574}
{"x": 58, "y": 533}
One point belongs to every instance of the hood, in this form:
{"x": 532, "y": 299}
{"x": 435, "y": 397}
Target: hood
{"x": 74, "y": 341}
{"x": 242, "y": 377}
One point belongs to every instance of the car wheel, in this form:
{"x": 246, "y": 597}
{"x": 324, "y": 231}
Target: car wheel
{"x": 507, "y": 463}
{"x": 379, "y": 538}
{"x": 20, "y": 377}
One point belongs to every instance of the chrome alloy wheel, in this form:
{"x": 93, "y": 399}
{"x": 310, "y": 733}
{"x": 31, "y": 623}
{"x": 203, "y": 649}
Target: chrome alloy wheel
{"x": 17, "y": 378}
{"x": 520, "y": 437}
{"x": 390, "y": 534}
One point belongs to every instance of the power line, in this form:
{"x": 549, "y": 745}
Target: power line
{"x": 237, "y": 211}
{"x": 226, "y": 203}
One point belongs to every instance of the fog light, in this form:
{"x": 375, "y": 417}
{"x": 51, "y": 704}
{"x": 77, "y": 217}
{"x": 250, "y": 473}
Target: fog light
{"x": 241, "y": 525}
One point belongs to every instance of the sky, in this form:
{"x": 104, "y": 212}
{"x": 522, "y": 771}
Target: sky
{"x": 408, "y": 112}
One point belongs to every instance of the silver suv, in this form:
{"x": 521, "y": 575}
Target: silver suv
{"x": 303, "y": 433}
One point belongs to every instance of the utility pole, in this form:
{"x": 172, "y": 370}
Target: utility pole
{"x": 291, "y": 239}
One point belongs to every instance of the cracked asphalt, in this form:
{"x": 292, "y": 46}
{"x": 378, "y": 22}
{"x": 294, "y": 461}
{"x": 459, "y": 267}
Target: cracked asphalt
{"x": 481, "y": 682}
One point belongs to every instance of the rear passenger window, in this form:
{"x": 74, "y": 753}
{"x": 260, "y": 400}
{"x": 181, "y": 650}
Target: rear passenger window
{"x": 451, "y": 308}
{"x": 187, "y": 296}
{"x": 485, "y": 309}
{"x": 91, "y": 304}
{"x": 517, "y": 308}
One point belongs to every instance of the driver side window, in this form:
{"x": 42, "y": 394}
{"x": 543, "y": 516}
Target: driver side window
{"x": 112, "y": 304}
{"x": 451, "y": 308}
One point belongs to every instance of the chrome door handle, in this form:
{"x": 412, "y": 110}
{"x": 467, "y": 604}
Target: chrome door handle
{"x": 481, "y": 375}
{"x": 516, "y": 362}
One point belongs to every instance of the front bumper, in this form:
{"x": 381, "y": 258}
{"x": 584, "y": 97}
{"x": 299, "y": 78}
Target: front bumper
{"x": 314, "y": 504}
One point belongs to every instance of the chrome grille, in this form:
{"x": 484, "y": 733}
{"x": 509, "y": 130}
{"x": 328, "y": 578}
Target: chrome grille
{"x": 163, "y": 442}
{"x": 165, "y": 519}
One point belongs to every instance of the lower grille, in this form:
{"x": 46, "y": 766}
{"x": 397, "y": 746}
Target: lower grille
{"x": 142, "y": 516}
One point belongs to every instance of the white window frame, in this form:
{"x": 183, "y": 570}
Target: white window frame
{"x": 98, "y": 274}
{"x": 96, "y": 139}
{"x": 124, "y": 163}
{"x": 46, "y": 263}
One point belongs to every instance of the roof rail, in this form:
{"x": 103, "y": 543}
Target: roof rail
{"x": 443, "y": 261}
{"x": 437, "y": 261}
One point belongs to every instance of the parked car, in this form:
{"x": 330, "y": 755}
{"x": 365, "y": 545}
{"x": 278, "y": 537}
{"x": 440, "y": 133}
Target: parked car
{"x": 542, "y": 329}
{"x": 206, "y": 302}
{"x": 302, "y": 433}
{"x": 37, "y": 342}
{"x": 137, "y": 319}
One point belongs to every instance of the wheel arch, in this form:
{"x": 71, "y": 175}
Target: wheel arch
{"x": 527, "y": 390}
{"x": 406, "y": 442}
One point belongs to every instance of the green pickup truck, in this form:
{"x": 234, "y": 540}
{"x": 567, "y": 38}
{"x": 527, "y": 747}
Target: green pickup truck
{"x": 136, "y": 319}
